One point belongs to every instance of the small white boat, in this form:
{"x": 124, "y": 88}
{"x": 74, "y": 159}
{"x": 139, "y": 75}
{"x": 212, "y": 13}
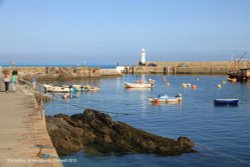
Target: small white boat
{"x": 137, "y": 85}
{"x": 57, "y": 89}
{"x": 163, "y": 98}
{"x": 140, "y": 84}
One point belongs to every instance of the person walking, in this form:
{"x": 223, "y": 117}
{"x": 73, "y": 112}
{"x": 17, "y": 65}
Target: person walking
{"x": 6, "y": 81}
{"x": 14, "y": 80}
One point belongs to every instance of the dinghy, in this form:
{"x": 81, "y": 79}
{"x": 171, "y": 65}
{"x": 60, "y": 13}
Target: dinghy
{"x": 140, "y": 84}
{"x": 56, "y": 89}
{"x": 226, "y": 101}
{"x": 163, "y": 98}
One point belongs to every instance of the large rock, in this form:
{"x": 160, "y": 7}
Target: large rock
{"x": 95, "y": 132}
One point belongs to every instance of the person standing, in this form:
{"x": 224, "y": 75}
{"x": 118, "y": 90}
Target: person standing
{"x": 14, "y": 80}
{"x": 6, "y": 81}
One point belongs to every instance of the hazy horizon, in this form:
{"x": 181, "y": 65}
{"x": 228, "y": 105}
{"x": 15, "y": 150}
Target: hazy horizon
{"x": 110, "y": 32}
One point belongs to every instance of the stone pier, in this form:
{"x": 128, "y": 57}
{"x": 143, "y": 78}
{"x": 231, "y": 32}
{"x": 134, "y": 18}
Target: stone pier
{"x": 24, "y": 138}
{"x": 166, "y": 68}
{"x": 63, "y": 73}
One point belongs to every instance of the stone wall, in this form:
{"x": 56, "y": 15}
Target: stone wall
{"x": 62, "y": 73}
{"x": 184, "y": 68}
{"x": 110, "y": 72}
{"x": 68, "y": 73}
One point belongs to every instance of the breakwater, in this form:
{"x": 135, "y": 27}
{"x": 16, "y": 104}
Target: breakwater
{"x": 71, "y": 73}
{"x": 63, "y": 73}
{"x": 183, "y": 68}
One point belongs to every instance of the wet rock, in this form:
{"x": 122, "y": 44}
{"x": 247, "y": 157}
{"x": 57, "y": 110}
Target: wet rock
{"x": 97, "y": 131}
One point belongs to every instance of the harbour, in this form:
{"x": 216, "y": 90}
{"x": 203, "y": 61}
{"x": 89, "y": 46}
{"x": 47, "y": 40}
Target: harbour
{"x": 124, "y": 83}
{"x": 174, "y": 96}
{"x": 219, "y": 132}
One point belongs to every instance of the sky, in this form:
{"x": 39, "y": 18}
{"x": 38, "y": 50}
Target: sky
{"x": 115, "y": 31}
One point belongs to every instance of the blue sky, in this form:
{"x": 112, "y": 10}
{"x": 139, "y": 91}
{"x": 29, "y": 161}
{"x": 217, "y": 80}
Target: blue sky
{"x": 111, "y": 31}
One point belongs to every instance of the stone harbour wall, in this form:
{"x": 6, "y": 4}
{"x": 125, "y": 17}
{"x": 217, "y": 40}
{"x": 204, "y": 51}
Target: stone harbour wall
{"x": 62, "y": 73}
{"x": 183, "y": 68}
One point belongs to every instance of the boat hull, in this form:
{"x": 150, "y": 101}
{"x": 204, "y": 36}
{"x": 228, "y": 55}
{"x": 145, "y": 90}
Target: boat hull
{"x": 56, "y": 89}
{"x": 137, "y": 85}
{"x": 169, "y": 100}
{"x": 226, "y": 101}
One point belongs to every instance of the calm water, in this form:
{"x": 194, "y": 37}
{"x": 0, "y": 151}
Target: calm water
{"x": 222, "y": 134}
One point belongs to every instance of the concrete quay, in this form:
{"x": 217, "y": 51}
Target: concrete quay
{"x": 24, "y": 138}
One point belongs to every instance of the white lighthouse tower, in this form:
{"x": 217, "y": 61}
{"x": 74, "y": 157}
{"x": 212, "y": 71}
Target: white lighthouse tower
{"x": 143, "y": 54}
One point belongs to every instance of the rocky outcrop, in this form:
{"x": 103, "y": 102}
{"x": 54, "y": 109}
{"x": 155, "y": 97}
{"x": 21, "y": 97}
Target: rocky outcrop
{"x": 95, "y": 132}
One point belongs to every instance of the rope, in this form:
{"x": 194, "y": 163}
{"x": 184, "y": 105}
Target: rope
{"x": 57, "y": 97}
{"x": 41, "y": 146}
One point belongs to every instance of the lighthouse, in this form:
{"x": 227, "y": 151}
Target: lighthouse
{"x": 143, "y": 54}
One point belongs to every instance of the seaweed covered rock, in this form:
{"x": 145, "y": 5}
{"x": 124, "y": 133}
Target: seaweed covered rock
{"x": 96, "y": 131}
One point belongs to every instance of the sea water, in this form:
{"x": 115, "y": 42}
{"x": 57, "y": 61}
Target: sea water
{"x": 221, "y": 133}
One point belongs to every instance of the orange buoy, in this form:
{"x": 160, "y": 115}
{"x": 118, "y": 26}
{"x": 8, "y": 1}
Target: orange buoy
{"x": 157, "y": 101}
{"x": 194, "y": 87}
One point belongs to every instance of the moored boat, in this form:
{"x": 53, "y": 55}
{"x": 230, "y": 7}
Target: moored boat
{"x": 137, "y": 85}
{"x": 163, "y": 98}
{"x": 226, "y": 101}
{"x": 242, "y": 75}
{"x": 56, "y": 89}
{"x": 140, "y": 84}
